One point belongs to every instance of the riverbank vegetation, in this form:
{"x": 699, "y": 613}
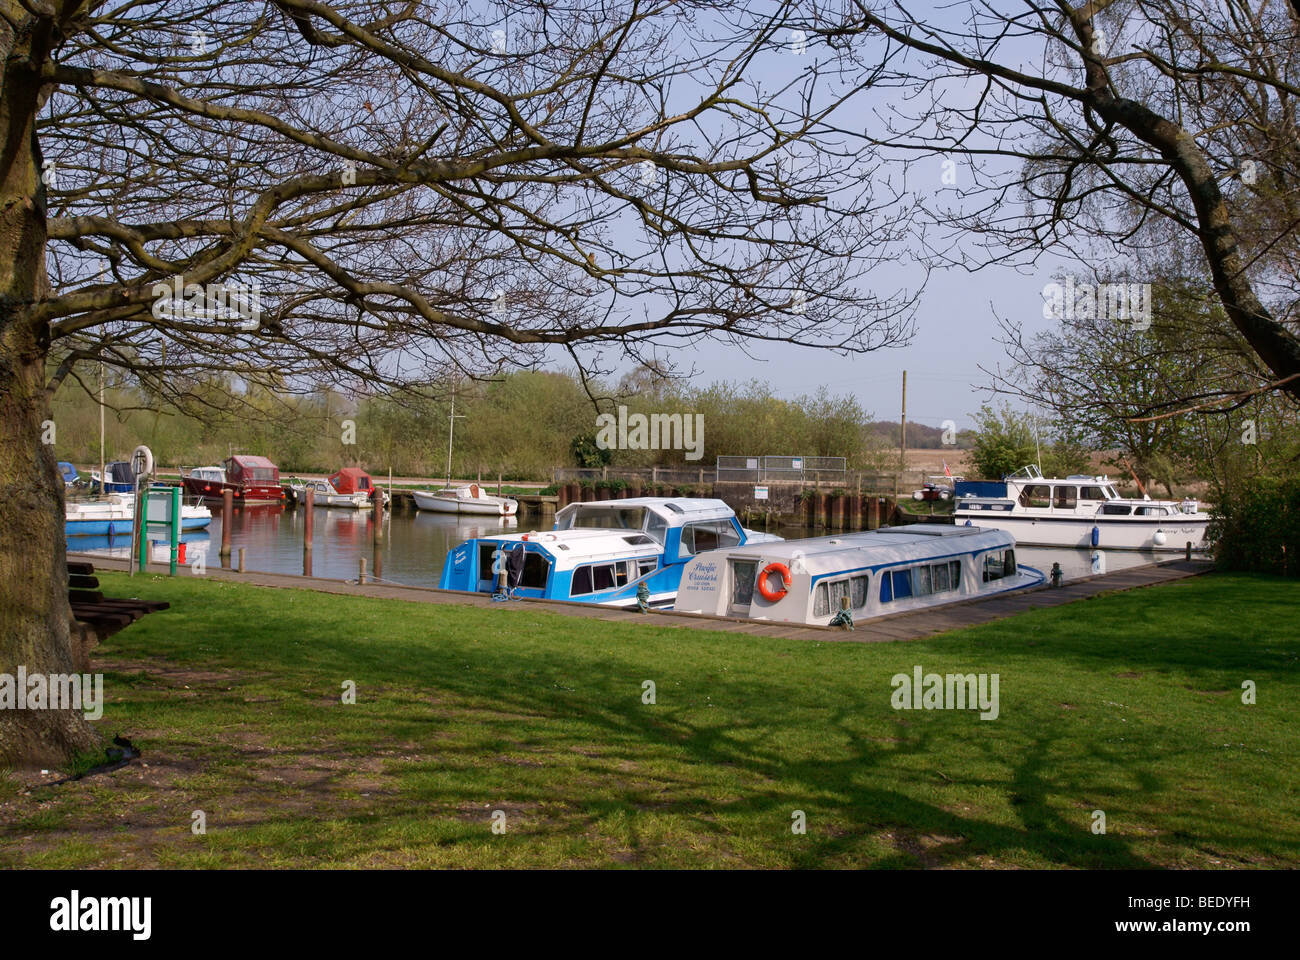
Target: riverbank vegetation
{"x": 522, "y": 425}
{"x": 465, "y": 717}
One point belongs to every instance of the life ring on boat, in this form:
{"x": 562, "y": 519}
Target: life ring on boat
{"x": 770, "y": 595}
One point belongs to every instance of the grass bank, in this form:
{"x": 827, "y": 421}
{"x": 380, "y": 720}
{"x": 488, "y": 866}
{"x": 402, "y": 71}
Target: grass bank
{"x": 1130, "y": 704}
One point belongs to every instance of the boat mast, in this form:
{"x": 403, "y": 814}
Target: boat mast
{"x": 103, "y": 483}
{"x": 451, "y": 430}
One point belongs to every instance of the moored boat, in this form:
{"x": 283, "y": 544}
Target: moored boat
{"x": 120, "y": 478}
{"x": 116, "y": 517}
{"x": 471, "y": 498}
{"x": 1077, "y": 511}
{"x": 599, "y": 552}
{"x": 251, "y": 479}
{"x": 869, "y": 574}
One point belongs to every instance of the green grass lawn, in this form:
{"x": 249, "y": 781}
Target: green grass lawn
{"x": 1129, "y": 704}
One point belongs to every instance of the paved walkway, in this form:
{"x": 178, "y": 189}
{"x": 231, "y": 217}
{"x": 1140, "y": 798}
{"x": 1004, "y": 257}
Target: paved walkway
{"x": 899, "y": 626}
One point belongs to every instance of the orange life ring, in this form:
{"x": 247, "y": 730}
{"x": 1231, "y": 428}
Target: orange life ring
{"x": 770, "y": 595}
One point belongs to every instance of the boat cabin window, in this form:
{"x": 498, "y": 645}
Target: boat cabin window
{"x": 997, "y": 566}
{"x": 1116, "y": 509}
{"x": 936, "y": 578}
{"x": 1036, "y": 495}
{"x": 656, "y": 526}
{"x": 1066, "y": 498}
{"x": 743, "y": 574}
{"x": 895, "y": 585}
{"x": 826, "y": 598}
{"x": 1092, "y": 493}
{"x": 594, "y": 577}
{"x": 646, "y": 565}
{"x": 708, "y": 535}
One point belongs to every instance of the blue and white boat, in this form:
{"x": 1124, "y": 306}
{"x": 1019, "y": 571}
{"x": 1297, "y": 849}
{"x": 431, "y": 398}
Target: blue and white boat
{"x": 601, "y": 552}
{"x": 869, "y": 574}
{"x": 1077, "y": 511}
{"x": 115, "y": 517}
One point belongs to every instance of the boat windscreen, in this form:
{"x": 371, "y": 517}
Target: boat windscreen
{"x": 607, "y": 518}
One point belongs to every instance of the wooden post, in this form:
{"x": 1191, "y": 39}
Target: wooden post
{"x": 498, "y": 484}
{"x": 1187, "y": 554}
{"x": 308, "y": 528}
{"x": 227, "y": 521}
{"x": 363, "y": 569}
{"x": 175, "y": 537}
{"x": 241, "y": 559}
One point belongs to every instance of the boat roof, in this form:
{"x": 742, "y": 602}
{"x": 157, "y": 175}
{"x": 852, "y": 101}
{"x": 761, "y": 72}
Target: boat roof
{"x": 584, "y": 545}
{"x": 247, "y": 460}
{"x": 676, "y": 510}
{"x": 845, "y": 551}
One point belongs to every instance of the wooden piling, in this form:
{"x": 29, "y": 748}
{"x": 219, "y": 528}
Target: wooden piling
{"x": 241, "y": 559}
{"x": 1187, "y": 552}
{"x": 363, "y": 569}
{"x": 227, "y": 521}
{"x": 308, "y": 528}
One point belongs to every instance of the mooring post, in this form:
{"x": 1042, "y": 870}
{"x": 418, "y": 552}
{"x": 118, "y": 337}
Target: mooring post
{"x": 1187, "y": 554}
{"x": 175, "y": 529}
{"x": 241, "y": 559}
{"x": 363, "y": 569}
{"x": 227, "y": 521}
{"x": 310, "y": 503}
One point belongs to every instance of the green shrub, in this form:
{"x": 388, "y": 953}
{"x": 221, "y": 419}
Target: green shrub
{"x": 1257, "y": 527}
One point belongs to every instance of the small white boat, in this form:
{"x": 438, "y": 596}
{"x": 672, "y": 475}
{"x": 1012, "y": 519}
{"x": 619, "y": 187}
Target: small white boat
{"x": 1077, "y": 511}
{"x": 468, "y": 499}
{"x": 325, "y": 495}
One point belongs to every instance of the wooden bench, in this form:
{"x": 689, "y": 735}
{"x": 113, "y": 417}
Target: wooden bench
{"x": 98, "y": 616}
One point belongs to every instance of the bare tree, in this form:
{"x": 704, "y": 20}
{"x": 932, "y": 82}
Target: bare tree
{"x": 298, "y": 192}
{"x": 1113, "y": 131}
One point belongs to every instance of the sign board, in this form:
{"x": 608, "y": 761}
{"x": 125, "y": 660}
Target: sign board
{"x": 760, "y": 493}
{"x": 751, "y": 463}
{"x": 796, "y": 463}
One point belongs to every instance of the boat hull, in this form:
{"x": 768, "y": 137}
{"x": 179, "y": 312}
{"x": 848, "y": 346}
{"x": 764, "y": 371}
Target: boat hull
{"x": 211, "y": 491}
{"x": 1113, "y": 533}
{"x": 121, "y": 526}
{"x": 437, "y": 504}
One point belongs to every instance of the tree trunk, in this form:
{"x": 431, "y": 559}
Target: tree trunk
{"x": 35, "y": 619}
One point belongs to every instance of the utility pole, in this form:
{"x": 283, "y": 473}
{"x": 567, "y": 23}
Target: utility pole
{"x": 902, "y": 448}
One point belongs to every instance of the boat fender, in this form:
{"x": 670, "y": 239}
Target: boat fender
{"x": 770, "y": 595}
{"x": 1096, "y": 535}
{"x": 1160, "y": 538}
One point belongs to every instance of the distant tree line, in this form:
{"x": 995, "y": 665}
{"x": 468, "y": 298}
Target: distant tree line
{"x": 521, "y": 425}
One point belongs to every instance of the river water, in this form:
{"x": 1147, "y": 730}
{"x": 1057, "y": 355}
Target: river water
{"x": 416, "y": 544}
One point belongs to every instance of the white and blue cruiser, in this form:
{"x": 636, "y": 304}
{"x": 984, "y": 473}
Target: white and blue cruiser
{"x": 600, "y": 552}
{"x": 1078, "y": 511}
{"x": 878, "y": 572}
